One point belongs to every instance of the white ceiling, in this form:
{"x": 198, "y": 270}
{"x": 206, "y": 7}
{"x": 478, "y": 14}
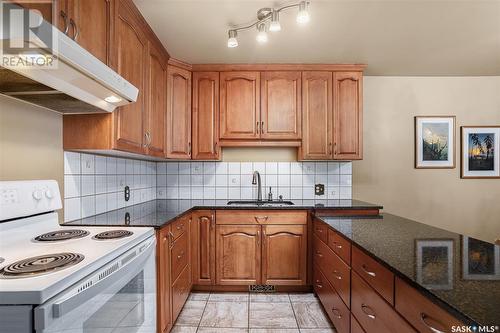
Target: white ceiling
{"x": 394, "y": 37}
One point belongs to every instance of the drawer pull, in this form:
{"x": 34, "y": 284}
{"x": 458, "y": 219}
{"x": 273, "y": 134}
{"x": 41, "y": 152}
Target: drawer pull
{"x": 180, "y": 255}
{"x": 179, "y": 227}
{"x": 337, "y": 245}
{"x": 259, "y": 218}
{"x": 319, "y": 285}
{"x": 365, "y": 269}
{"x": 319, "y": 254}
{"x": 336, "y": 313}
{"x": 319, "y": 230}
{"x": 423, "y": 317}
{"x": 368, "y": 311}
{"x": 337, "y": 275}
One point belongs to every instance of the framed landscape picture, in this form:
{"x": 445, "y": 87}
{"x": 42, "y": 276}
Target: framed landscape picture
{"x": 434, "y": 142}
{"x": 480, "y": 260}
{"x": 480, "y": 155}
{"x": 435, "y": 263}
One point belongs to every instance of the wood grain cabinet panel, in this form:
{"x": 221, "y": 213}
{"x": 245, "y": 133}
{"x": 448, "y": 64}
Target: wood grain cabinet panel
{"x": 178, "y": 113}
{"x": 377, "y": 276}
{"x": 164, "y": 319}
{"x": 131, "y": 59}
{"x": 179, "y": 226}
{"x": 238, "y": 258}
{"x": 205, "y": 124}
{"x": 281, "y": 109}
{"x": 179, "y": 255}
{"x": 263, "y": 217}
{"x": 284, "y": 254}
{"x": 347, "y": 115}
{"x": 180, "y": 291}
{"x": 203, "y": 247}
{"x": 421, "y": 312}
{"x": 320, "y": 229}
{"x": 157, "y": 102}
{"x": 317, "y": 116}
{"x": 239, "y": 105}
{"x": 340, "y": 245}
{"x": 373, "y": 312}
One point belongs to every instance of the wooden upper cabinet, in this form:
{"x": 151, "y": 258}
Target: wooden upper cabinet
{"x": 284, "y": 254}
{"x": 131, "y": 59}
{"x": 178, "y": 113}
{"x": 238, "y": 254}
{"x": 317, "y": 116}
{"x": 157, "y": 102}
{"x": 348, "y": 115}
{"x": 281, "y": 105}
{"x": 203, "y": 247}
{"x": 90, "y": 24}
{"x": 239, "y": 105}
{"x": 205, "y": 122}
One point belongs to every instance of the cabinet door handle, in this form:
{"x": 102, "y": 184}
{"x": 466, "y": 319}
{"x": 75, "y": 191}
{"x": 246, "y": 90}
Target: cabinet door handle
{"x": 258, "y": 128}
{"x": 145, "y": 144}
{"x": 365, "y": 269}
{"x": 337, "y": 245}
{"x": 423, "y": 318}
{"x": 319, "y": 254}
{"x": 215, "y": 147}
{"x": 336, "y": 274}
{"x": 329, "y": 148}
{"x": 75, "y": 29}
{"x": 212, "y": 221}
{"x": 258, "y": 237}
{"x": 262, "y": 127}
{"x": 189, "y": 148}
{"x": 335, "y": 148}
{"x": 66, "y": 25}
{"x": 336, "y": 313}
{"x": 368, "y": 311}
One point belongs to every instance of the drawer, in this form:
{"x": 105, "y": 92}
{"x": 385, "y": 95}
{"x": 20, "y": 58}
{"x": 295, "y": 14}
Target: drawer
{"x": 373, "y": 313}
{"x": 260, "y": 217}
{"x": 421, "y": 312}
{"x": 180, "y": 292}
{"x": 334, "y": 269}
{"x": 320, "y": 229}
{"x": 339, "y": 245}
{"x": 377, "y": 276}
{"x": 179, "y": 255}
{"x": 355, "y": 326}
{"x": 333, "y": 305}
{"x": 179, "y": 226}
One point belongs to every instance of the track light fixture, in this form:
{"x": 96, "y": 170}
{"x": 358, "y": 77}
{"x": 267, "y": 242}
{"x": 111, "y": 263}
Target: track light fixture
{"x": 271, "y": 15}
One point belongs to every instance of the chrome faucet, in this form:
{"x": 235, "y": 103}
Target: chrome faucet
{"x": 256, "y": 181}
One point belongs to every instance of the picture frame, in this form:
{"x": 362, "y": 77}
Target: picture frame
{"x": 480, "y": 260}
{"x": 480, "y": 152}
{"x": 435, "y": 142}
{"x": 434, "y": 263}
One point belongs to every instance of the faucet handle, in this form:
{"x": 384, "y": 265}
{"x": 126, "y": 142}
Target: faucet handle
{"x": 280, "y": 197}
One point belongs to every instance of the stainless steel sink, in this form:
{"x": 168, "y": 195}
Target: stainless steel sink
{"x": 276, "y": 203}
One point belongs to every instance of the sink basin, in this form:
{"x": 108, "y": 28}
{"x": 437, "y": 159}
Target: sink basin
{"x": 259, "y": 203}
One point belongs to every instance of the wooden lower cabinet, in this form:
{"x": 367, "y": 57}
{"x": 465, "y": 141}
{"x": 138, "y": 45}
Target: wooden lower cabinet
{"x": 180, "y": 291}
{"x": 238, "y": 254}
{"x": 284, "y": 254}
{"x": 203, "y": 247}
{"x": 164, "y": 317}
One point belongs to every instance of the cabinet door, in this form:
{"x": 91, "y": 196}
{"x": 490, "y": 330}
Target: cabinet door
{"x": 163, "y": 264}
{"x": 178, "y": 113}
{"x": 157, "y": 102}
{"x": 317, "y": 116}
{"x": 284, "y": 254}
{"x": 206, "y": 116}
{"x": 281, "y": 110}
{"x": 238, "y": 254}
{"x": 203, "y": 247}
{"x": 131, "y": 59}
{"x": 239, "y": 105}
{"x": 90, "y": 24}
{"x": 52, "y": 11}
{"x": 348, "y": 115}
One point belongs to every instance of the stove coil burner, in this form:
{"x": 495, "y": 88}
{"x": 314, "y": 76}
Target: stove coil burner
{"x": 40, "y": 265}
{"x": 113, "y": 234}
{"x": 61, "y": 235}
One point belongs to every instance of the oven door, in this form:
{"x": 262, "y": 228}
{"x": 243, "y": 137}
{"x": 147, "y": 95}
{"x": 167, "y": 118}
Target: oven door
{"x": 119, "y": 297}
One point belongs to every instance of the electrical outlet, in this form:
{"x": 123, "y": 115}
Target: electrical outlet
{"x": 127, "y": 193}
{"x": 319, "y": 189}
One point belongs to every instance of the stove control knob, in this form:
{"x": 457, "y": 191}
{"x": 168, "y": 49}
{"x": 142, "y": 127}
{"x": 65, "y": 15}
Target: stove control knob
{"x": 49, "y": 194}
{"x": 37, "y": 195}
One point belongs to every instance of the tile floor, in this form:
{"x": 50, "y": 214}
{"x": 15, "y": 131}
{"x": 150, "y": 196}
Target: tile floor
{"x": 253, "y": 313}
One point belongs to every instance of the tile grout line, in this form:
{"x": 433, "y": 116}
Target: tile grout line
{"x": 293, "y": 310}
{"x": 204, "y": 309}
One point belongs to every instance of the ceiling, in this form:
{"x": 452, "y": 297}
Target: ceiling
{"x": 394, "y": 37}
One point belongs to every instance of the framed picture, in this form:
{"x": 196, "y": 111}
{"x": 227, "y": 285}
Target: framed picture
{"x": 480, "y": 260}
{"x": 435, "y": 142}
{"x": 480, "y": 155}
{"x": 435, "y": 263}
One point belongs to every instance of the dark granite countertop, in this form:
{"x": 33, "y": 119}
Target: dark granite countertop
{"x": 465, "y": 279}
{"x": 161, "y": 212}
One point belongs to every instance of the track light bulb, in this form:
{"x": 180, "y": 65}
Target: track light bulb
{"x": 232, "y": 41}
{"x": 275, "y": 21}
{"x": 303, "y": 15}
{"x": 262, "y": 34}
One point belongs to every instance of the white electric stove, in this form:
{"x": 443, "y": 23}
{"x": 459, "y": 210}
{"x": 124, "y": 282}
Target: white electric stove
{"x": 58, "y": 278}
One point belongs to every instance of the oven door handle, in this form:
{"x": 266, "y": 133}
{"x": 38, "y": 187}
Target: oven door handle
{"x": 119, "y": 276}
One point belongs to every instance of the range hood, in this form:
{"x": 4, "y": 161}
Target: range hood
{"x": 54, "y": 72}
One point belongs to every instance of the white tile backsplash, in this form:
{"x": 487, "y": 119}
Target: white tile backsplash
{"x": 94, "y": 184}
